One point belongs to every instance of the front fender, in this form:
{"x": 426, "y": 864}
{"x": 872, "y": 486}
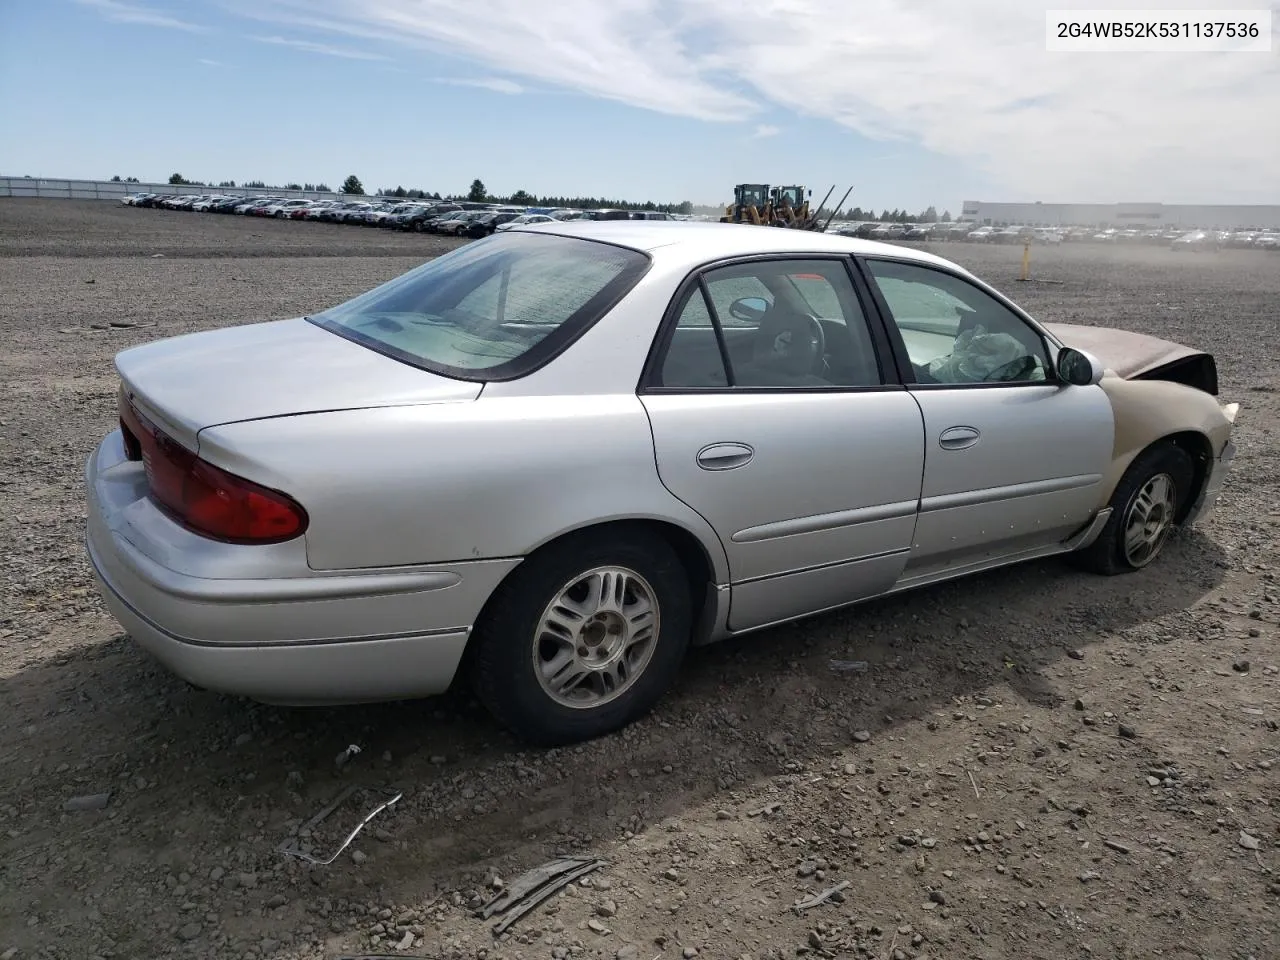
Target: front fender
{"x": 1147, "y": 411}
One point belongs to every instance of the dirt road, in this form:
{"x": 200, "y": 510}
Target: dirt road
{"x": 1036, "y": 763}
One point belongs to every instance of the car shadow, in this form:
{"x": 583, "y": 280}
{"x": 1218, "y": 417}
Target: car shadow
{"x": 195, "y": 774}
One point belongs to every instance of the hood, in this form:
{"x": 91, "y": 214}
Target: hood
{"x": 1136, "y": 356}
{"x": 270, "y": 370}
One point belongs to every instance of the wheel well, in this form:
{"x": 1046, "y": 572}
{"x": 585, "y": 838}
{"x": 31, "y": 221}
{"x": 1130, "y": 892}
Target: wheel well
{"x": 1197, "y": 447}
{"x": 693, "y": 556}
{"x": 697, "y": 565}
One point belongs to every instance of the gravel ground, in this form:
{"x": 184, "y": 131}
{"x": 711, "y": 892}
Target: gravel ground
{"x": 1036, "y": 763}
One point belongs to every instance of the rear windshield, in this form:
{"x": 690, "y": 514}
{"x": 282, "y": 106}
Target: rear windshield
{"x": 495, "y": 309}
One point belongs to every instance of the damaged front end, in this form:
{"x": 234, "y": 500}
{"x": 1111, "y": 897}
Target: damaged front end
{"x": 1155, "y": 412}
{"x": 1136, "y": 356}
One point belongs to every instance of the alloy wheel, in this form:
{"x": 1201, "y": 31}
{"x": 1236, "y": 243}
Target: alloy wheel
{"x": 595, "y": 639}
{"x": 1149, "y": 520}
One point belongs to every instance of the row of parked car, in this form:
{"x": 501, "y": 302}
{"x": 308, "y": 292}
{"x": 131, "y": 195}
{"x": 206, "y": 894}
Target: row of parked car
{"x": 451, "y": 218}
{"x": 473, "y": 219}
{"x": 895, "y": 232}
{"x": 1176, "y": 239}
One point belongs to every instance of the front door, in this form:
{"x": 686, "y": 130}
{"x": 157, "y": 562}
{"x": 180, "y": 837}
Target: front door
{"x": 1014, "y": 458}
{"x": 772, "y": 419}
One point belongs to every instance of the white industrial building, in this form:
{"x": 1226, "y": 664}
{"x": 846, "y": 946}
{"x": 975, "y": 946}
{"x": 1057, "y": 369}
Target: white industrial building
{"x": 1181, "y": 215}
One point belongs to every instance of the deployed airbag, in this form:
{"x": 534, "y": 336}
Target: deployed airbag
{"x": 982, "y": 357}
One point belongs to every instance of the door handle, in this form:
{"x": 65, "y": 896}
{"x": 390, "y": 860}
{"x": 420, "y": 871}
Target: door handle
{"x": 725, "y": 456}
{"x": 958, "y": 438}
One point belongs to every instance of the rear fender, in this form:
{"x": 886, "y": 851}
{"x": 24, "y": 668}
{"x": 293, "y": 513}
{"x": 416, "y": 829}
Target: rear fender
{"x": 493, "y": 479}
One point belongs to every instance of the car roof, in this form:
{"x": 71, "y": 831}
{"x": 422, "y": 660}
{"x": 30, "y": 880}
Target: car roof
{"x": 700, "y": 242}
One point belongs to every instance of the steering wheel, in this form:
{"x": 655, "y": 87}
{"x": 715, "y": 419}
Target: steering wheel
{"x": 790, "y": 343}
{"x": 818, "y": 343}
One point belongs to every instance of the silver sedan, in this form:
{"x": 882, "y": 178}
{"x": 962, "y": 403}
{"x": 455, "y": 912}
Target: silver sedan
{"x": 553, "y": 459}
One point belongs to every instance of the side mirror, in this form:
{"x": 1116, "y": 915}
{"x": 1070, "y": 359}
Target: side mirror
{"x": 750, "y": 309}
{"x": 1078, "y": 368}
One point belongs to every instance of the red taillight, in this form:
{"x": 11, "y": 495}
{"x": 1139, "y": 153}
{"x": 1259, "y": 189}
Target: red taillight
{"x": 208, "y": 499}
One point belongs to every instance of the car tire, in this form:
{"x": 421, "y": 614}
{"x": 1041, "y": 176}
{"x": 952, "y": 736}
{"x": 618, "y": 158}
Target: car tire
{"x": 1145, "y": 506}
{"x": 615, "y": 673}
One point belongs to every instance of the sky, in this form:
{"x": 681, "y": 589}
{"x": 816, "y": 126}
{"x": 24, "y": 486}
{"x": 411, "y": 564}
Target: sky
{"x": 911, "y": 102}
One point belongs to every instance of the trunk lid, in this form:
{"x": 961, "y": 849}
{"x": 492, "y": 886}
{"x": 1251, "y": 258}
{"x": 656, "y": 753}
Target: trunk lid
{"x": 275, "y": 369}
{"x": 1136, "y": 356}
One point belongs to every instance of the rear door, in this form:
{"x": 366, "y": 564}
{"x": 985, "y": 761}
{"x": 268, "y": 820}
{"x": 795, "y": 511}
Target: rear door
{"x": 1014, "y": 458}
{"x": 772, "y": 418}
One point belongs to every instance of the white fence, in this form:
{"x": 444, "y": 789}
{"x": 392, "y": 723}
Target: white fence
{"x": 115, "y": 189}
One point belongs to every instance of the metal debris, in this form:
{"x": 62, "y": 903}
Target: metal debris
{"x": 849, "y": 666}
{"x": 290, "y": 847}
{"x": 95, "y": 801}
{"x": 341, "y": 759}
{"x": 818, "y": 899}
{"x": 538, "y": 885}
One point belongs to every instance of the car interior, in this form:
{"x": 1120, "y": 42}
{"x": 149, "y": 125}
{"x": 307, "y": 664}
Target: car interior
{"x": 782, "y": 328}
{"x": 785, "y": 325}
{"x": 954, "y": 332}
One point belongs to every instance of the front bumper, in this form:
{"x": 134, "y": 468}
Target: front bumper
{"x": 1208, "y": 500}
{"x": 257, "y": 622}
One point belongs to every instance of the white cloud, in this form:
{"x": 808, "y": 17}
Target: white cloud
{"x": 211, "y": 63}
{"x": 970, "y": 81}
{"x": 973, "y": 81}
{"x": 765, "y": 130}
{"x": 625, "y": 50}
{"x": 144, "y": 16}
{"x": 496, "y": 84}
{"x": 310, "y": 46}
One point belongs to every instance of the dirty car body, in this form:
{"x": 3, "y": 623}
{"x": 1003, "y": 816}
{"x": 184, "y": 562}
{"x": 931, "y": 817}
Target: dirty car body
{"x": 560, "y": 455}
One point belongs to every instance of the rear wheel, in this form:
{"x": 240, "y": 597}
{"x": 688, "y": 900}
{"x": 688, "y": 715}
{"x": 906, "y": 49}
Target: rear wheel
{"x": 1144, "y": 508}
{"x": 583, "y": 638}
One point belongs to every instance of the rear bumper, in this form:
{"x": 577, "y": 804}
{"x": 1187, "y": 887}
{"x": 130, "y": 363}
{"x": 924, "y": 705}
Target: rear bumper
{"x": 255, "y": 621}
{"x": 302, "y": 673}
{"x": 1208, "y": 500}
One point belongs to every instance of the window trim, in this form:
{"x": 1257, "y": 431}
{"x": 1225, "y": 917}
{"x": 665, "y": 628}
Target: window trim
{"x": 716, "y": 326}
{"x": 902, "y": 358}
{"x": 880, "y": 344}
{"x": 538, "y": 356}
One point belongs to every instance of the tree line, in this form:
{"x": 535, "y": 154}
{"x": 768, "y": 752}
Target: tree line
{"x": 479, "y": 193}
{"x": 929, "y": 215}
{"x": 352, "y": 186}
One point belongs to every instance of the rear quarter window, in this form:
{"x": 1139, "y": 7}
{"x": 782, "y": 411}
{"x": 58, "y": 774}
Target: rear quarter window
{"x": 495, "y": 309}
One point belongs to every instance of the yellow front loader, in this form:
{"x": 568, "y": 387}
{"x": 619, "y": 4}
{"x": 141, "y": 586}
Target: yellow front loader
{"x": 766, "y": 206}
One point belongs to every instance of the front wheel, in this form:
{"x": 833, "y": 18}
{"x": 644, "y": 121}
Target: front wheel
{"x": 1144, "y": 509}
{"x": 583, "y": 638}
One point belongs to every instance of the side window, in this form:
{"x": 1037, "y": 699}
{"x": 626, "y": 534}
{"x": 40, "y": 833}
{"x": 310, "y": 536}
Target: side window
{"x": 726, "y": 290}
{"x": 693, "y": 357}
{"x": 781, "y": 323}
{"x": 954, "y": 332}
